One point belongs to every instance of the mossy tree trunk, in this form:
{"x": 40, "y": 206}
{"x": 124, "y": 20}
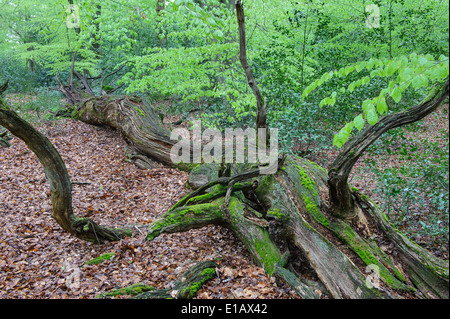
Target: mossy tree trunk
{"x": 291, "y": 207}
{"x": 302, "y": 210}
{"x": 341, "y": 200}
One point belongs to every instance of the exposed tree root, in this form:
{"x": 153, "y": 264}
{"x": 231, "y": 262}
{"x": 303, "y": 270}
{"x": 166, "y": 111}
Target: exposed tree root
{"x": 60, "y": 185}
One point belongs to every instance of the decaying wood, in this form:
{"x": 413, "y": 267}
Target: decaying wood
{"x": 134, "y": 117}
{"x": 262, "y": 211}
{"x": 186, "y": 287}
{"x": 429, "y": 273}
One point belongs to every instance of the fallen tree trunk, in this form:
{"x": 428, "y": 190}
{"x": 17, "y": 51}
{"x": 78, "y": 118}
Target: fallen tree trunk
{"x": 185, "y": 288}
{"x": 294, "y": 210}
{"x": 136, "y": 120}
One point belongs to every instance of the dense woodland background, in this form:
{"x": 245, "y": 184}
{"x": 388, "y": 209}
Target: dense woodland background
{"x": 319, "y": 64}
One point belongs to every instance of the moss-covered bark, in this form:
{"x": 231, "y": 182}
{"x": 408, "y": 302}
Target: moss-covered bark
{"x": 262, "y": 211}
{"x": 132, "y": 291}
{"x": 137, "y": 122}
{"x": 427, "y": 272}
{"x": 341, "y": 199}
{"x": 187, "y": 286}
{"x": 295, "y": 199}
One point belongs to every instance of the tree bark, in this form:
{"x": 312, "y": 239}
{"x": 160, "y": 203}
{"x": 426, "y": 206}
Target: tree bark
{"x": 261, "y": 113}
{"x": 293, "y": 207}
{"x": 138, "y": 123}
{"x": 295, "y": 199}
{"x": 185, "y": 288}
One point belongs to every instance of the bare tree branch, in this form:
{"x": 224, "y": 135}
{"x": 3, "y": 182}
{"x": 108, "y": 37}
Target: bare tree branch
{"x": 261, "y": 114}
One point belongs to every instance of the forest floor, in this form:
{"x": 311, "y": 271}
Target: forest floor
{"x": 40, "y": 260}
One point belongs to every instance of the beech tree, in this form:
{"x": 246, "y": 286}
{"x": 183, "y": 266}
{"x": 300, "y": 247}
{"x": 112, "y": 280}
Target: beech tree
{"x": 302, "y": 209}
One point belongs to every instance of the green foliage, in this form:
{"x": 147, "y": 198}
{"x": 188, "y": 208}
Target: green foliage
{"x": 41, "y": 106}
{"x": 188, "y": 53}
{"x": 46, "y": 102}
{"x": 417, "y": 71}
{"x": 98, "y": 260}
{"x": 16, "y": 72}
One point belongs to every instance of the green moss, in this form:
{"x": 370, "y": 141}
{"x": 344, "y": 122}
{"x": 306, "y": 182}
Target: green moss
{"x": 257, "y": 238}
{"x": 141, "y": 113}
{"x": 317, "y": 166}
{"x": 191, "y": 290}
{"x": 308, "y": 192}
{"x": 267, "y": 251}
{"x": 187, "y": 167}
{"x": 306, "y": 180}
{"x": 371, "y": 256}
{"x": 275, "y": 212}
{"x": 180, "y": 218}
{"x": 100, "y": 259}
{"x": 315, "y": 211}
{"x": 235, "y": 208}
{"x": 266, "y": 183}
{"x": 132, "y": 290}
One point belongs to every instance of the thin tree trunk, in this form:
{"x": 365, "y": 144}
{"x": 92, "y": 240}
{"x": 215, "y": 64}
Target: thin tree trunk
{"x": 261, "y": 113}
{"x": 341, "y": 198}
{"x": 59, "y": 180}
